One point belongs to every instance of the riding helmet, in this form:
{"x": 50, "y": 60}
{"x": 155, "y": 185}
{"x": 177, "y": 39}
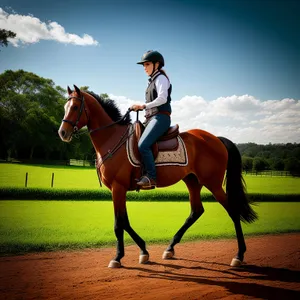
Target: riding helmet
{"x": 152, "y": 56}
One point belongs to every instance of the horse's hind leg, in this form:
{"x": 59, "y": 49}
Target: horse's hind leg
{"x": 196, "y": 211}
{"x": 221, "y": 197}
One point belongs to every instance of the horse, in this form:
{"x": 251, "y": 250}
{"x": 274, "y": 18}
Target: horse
{"x": 211, "y": 161}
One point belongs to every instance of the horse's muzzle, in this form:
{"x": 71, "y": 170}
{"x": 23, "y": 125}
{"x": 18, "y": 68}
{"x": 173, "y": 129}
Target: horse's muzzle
{"x": 64, "y": 134}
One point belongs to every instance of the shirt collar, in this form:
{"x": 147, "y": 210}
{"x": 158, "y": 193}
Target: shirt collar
{"x": 153, "y": 76}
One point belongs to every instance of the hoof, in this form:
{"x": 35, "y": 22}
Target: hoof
{"x": 236, "y": 262}
{"x": 114, "y": 264}
{"x": 168, "y": 254}
{"x": 144, "y": 258}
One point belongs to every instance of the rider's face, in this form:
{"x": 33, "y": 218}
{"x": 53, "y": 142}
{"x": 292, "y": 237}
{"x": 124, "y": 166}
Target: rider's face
{"x": 148, "y": 67}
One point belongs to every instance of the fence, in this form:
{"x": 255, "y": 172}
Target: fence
{"x": 268, "y": 173}
{"x": 91, "y": 163}
{"x": 82, "y": 163}
{"x": 69, "y": 162}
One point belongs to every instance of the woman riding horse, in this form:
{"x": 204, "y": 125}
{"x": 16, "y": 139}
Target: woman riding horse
{"x": 209, "y": 158}
{"x": 158, "y": 112}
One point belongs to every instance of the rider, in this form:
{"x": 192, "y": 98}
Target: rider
{"x": 158, "y": 112}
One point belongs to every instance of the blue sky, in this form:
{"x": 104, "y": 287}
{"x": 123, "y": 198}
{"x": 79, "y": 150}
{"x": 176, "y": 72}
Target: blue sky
{"x": 241, "y": 54}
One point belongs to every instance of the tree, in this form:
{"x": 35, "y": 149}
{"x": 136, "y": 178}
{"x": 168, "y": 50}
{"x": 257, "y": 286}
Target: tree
{"x": 84, "y": 88}
{"x": 5, "y": 35}
{"x": 292, "y": 165}
{"x": 276, "y": 164}
{"x": 104, "y": 96}
{"x": 31, "y": 111}
{"x": 247, "y": 163}
{"x": 259, "y": 164}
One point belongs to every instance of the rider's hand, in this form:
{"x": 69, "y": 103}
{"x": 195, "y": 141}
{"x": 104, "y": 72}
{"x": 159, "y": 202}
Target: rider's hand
{"x": 137, "y": 107}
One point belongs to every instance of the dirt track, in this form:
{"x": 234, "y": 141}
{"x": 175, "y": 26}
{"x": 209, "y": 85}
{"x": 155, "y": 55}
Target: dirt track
{"x": 200, "y": 271}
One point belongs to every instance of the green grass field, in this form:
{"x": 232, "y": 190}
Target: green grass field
{"x": 43, "y": 225}
{"x": 13, "y": 175}
{"x": 53, "y": 225}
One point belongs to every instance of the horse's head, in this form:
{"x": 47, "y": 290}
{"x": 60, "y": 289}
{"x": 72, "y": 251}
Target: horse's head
{"x": 75, "y": 115}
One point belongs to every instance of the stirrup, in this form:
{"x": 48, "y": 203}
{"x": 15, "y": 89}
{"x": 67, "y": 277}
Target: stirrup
{"x": 146, "y": 183}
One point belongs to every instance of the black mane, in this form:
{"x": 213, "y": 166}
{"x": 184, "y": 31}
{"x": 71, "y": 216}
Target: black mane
{"x": 111, "y": 109}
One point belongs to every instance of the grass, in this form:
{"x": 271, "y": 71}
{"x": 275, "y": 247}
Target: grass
{"x": 45, "y": 226}
{"x": 13, "y": 175}
{"x": 74, "y": 178}
{"x": 52, "y": 225}
{"x": 104, "y": 195}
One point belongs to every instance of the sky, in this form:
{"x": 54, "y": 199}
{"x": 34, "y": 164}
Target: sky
{"x": 234, "y": 65}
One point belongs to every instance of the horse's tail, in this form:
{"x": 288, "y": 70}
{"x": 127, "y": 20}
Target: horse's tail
{"x": 238, "y": 202}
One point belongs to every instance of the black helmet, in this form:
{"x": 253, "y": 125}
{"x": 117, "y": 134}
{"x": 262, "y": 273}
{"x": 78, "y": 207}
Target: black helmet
{"x": 152, "y": 56}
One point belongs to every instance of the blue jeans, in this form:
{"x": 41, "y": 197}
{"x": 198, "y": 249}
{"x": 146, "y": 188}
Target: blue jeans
{"x": 155, "y": 128}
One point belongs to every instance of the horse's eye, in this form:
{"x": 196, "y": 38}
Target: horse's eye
{"x": 75, "y": 107}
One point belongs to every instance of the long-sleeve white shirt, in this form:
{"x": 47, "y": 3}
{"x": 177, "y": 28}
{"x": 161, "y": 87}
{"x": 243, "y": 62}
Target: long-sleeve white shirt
{"x": 162, "y": 85}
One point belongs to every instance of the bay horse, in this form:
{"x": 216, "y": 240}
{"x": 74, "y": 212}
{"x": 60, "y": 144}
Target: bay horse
{"x": 211, "y": 159}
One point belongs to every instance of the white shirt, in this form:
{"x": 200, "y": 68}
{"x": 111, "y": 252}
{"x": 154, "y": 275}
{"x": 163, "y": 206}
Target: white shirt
{"x": 162, "y": 85}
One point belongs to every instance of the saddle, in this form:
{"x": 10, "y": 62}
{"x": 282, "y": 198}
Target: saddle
{"x": 167, "y": 142}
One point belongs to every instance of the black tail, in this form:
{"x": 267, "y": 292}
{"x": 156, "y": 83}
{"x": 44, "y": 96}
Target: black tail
{"x": 238, "y": 202}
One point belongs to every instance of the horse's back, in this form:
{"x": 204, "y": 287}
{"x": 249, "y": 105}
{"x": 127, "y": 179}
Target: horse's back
{"x": 205, "y": 149}
{"x": 205, "y": 139}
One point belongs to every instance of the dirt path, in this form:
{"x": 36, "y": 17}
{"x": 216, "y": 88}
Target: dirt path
{"x": 200, "y": 271}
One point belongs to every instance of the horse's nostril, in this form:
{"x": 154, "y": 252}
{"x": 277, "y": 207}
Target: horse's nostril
{"x": 63, "y": 133}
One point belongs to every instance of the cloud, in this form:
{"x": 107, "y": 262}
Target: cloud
{"x": 124, "y": 103}
{"x": 242, "y": 119}
{"x": 30, "y": 30}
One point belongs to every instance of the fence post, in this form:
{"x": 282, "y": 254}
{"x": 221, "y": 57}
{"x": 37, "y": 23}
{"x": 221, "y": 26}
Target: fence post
{"x": 26, "y": 179}
{"x": 52, "y": 180}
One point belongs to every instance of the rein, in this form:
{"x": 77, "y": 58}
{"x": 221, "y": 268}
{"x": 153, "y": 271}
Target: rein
{"x": 109, "y": 125}
{"x": 74, "y": 124}
{"x": 115, "y": 148}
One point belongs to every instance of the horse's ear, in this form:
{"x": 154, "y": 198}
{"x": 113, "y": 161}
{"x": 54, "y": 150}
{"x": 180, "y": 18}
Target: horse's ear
{"x": 77, "y": 89}
{"x": 69, "y": 91}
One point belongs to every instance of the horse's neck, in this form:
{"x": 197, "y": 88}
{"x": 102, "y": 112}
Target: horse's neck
{"x": 105, "y": 138}
{"x": 97, "y": 115}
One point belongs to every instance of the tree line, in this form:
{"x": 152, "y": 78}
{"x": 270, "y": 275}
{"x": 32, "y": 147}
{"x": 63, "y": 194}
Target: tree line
{"x": 31, "y": 111}
{"x": 275, "y": 157}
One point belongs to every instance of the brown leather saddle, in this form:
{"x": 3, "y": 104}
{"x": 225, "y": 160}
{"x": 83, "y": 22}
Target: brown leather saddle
{"x": 167, "y": 142}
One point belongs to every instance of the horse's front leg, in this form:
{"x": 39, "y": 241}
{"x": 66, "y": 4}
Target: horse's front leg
{"x": 121, "y": 224}
{"x": 196, "y": 211}
{"x": 144, "y": 254}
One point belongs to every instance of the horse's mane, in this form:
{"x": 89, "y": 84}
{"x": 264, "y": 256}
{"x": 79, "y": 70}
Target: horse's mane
{"x": 111, "y": 109}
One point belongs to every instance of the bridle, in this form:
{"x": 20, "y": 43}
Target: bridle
{"x": 115, "y": 148}
{"x": 82, "y": 107}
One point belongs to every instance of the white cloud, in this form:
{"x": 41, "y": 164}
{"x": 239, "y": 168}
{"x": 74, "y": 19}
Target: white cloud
{"x": 242, "y": 119}
{"x": 30, "y": 30}
{"x": 124, "y": 103}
